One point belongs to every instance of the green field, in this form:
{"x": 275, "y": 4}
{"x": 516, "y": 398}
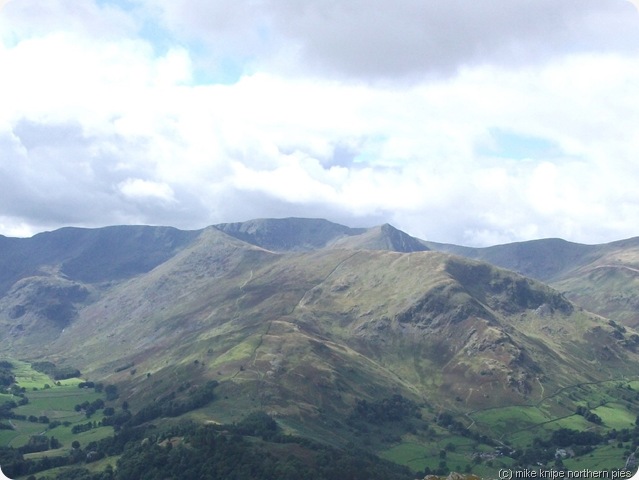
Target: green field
{"x": 418, "y": 456}
{"x": 520, "y": 427}
{"x": 29, "y": 378}
{"x": 55, "y": 400}
{"x": 429, "y": 447}
{"x": 616, "y": 415}
{"x": 605, "y": 457}
{"x": 58, "y": 402}
{"x": 509, "y": 420}
{"x": 414, "y": 455}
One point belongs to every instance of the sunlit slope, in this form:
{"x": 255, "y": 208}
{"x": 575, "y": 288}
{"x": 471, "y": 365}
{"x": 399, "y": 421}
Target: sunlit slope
{"x": 306, "y": 333}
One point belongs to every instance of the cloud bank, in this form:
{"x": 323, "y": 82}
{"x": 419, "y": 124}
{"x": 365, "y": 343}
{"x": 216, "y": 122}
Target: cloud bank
{"x": 464, "y": 122}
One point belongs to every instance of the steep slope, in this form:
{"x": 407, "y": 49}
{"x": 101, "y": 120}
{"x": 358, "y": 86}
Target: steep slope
{"x": 47, "y": 279}
{"x": 36, "y": 309}
{"x": 451, "y": 327}
{"x": 157, "y": 310}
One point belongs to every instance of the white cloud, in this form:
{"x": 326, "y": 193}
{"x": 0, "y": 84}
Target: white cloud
{"x": 138, "y": 189}
{"x": 10, "y": 228}
{"x": 109, "y": 128}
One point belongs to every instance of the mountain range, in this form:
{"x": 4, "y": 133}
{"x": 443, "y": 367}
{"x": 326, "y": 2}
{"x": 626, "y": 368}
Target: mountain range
{"x": 304, "y": 318}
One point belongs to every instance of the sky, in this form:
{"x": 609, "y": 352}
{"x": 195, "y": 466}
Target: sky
{"x": 457, "y": 121}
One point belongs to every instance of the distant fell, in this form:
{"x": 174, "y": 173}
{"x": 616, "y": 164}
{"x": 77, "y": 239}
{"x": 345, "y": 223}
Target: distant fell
{"x": 545, "y": 259}
{"x": 603, "y": 278}
{"x": 90, "y": 255}
{"x": 289, "y": 234}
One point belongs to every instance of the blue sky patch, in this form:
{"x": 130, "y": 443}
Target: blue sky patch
{"x": 126, "y": 5}
{"x": 507, "y": 144}
{"x": 369, "y": 153}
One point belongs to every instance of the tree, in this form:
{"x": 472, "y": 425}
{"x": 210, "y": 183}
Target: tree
{"x": 111, "y": 392}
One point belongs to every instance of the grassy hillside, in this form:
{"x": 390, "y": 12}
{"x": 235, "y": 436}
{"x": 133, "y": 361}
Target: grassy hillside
{"x": 306, "y": 334}
{"x": 357, "y": 337}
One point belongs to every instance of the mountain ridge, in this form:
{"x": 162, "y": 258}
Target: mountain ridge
{"x": 319, "y": 325}
{"x": 575, "y": 269}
